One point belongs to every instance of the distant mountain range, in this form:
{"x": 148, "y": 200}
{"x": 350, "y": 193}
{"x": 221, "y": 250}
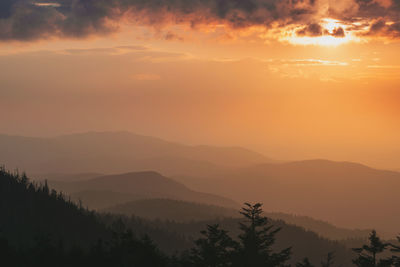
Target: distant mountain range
{"x": 303, "y": 242}
{"x": 153, "y": 196}
{"x": 46, "y": 215}
{"x": 183, "y": 211}
{"x": 172, "y": 210}
{"x": 108, "y": 190}
{"x": 117, "y": 152}
{"x": 346, "y": 194}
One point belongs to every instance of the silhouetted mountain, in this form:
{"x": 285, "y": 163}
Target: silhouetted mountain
{"x": 182, "y": 211}
{"x": 38, "y": 227}
{"x": 41, "y": 223}
{"x": 68, "y": 176}
{"x": 302, "y": 241}
{"x": 139, "y": 185}
{"x": 117, "y": 152}
{"x": 29, "y": 211}
{"x": 322, "y": 228}
{"x": 345, "y": 194}
{"x": 98, "y": 200}
{"x": 173, "y": 210}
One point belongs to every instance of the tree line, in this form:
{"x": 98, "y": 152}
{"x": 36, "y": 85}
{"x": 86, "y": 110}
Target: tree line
{"x": 78, "y": 237}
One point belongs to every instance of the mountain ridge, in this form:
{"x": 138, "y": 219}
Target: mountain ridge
{"x": 183, "y": 211}
{"x": 117, "y": 152}
{"x": 149, "y": 184}
{"x": 343, "y": 193}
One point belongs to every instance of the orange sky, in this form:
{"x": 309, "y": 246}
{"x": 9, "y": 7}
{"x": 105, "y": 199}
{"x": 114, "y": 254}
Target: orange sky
{"x": 292, "y": 87}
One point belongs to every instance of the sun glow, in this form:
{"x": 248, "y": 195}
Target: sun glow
{"x": 328, "y": 37}
{"x": 326, "y": 40}
{"x": 331, "y": 24}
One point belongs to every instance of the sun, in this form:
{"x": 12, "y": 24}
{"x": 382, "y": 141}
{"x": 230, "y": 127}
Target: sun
{"x": 331, "y": 24}
{"x": 321, "y": 40}
{"x": 326, "y": 38}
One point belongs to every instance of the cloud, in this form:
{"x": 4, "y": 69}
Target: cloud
{"x": 383, "y": 28}
{"x": 314, "y": 62}
{"x": 338, "y": 32}
{"x": 119, "y": 50}
{"x": 170, "y": 36}
{"x": 313, "y": 29}
{"x": 26, "y": 20}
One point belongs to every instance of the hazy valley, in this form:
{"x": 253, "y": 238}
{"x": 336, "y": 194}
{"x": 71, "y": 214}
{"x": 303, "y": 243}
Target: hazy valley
{"x": 174, "y": 190}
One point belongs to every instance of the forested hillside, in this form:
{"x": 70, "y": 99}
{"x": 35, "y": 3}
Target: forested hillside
{"x": 342, "y": 193}
{"x": 172, "y": 210}
{"x": 183, "y": 211}
{"x": 40, "y": 227}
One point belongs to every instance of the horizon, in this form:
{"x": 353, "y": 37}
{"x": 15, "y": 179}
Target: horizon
{"x": 271, "y": 158}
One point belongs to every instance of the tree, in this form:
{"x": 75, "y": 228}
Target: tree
{"x": 214, "y": 249}
{"x": 329, "y": 260}
{"x": 127, "y": 250}
{"x": 256, "y": 240}
{"x": 304, "y": 263}
{"x": 368, "y": 254}
{"x": 396, "y": 249}
{"x": 7, "y": 253}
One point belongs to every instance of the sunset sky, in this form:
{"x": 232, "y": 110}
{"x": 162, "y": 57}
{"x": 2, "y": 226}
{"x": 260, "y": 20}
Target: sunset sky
{"x": 293, "y": 79}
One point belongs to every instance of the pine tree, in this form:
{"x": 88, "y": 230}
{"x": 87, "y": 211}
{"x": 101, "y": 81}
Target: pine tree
{"x": 214, "y": 249}
{"x": 256, "y": 240}
{"x": 368, "y": 254}
{"x": 396, "y": 249}
{"x": 304, "y": 263}
{"x": 329, "y": 260}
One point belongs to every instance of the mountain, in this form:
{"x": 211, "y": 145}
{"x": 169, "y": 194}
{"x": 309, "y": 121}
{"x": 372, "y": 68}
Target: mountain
{"x": 322, "y": 228}
{"x": 39, "y": 227}
{"x": 303, "y": 242}
{"x": 69, "y": 176}
{"x": 30, "y": 211}
{"x": 182, "y": 211}
{"x": 346, "y": 194}
{"x": 117, "y": 152}
{"x": 138, "y": 185}
{"x": 42, "y": 224}
{"x": 102, "y": 199}
{"x": 172, "y": 210}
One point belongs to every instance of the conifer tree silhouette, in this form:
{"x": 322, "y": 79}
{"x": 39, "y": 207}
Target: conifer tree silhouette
{"x": 368, "y": 255}
{"x": 256, "y": 240}
{"x": 329, "y": 260}
{"x": 395, "y": 258}
{"x": 214, "y": 249}
{"x": 304, "y": 263}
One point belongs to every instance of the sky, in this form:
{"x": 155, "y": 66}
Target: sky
{"x": 293, "y": 79}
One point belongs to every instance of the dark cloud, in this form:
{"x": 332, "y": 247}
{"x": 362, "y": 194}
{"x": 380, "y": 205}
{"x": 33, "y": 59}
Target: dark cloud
{"x": 380, "y": 15}
{"x": 383, "y": 28}
{"x": 372, "y": 9}
{"x": 314, "y": 29}
{"x": 6, "y": 8}
{"x": 338, "y": 33}
{"x": 377, "y": 26}
{"x": 25, "y": 20}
